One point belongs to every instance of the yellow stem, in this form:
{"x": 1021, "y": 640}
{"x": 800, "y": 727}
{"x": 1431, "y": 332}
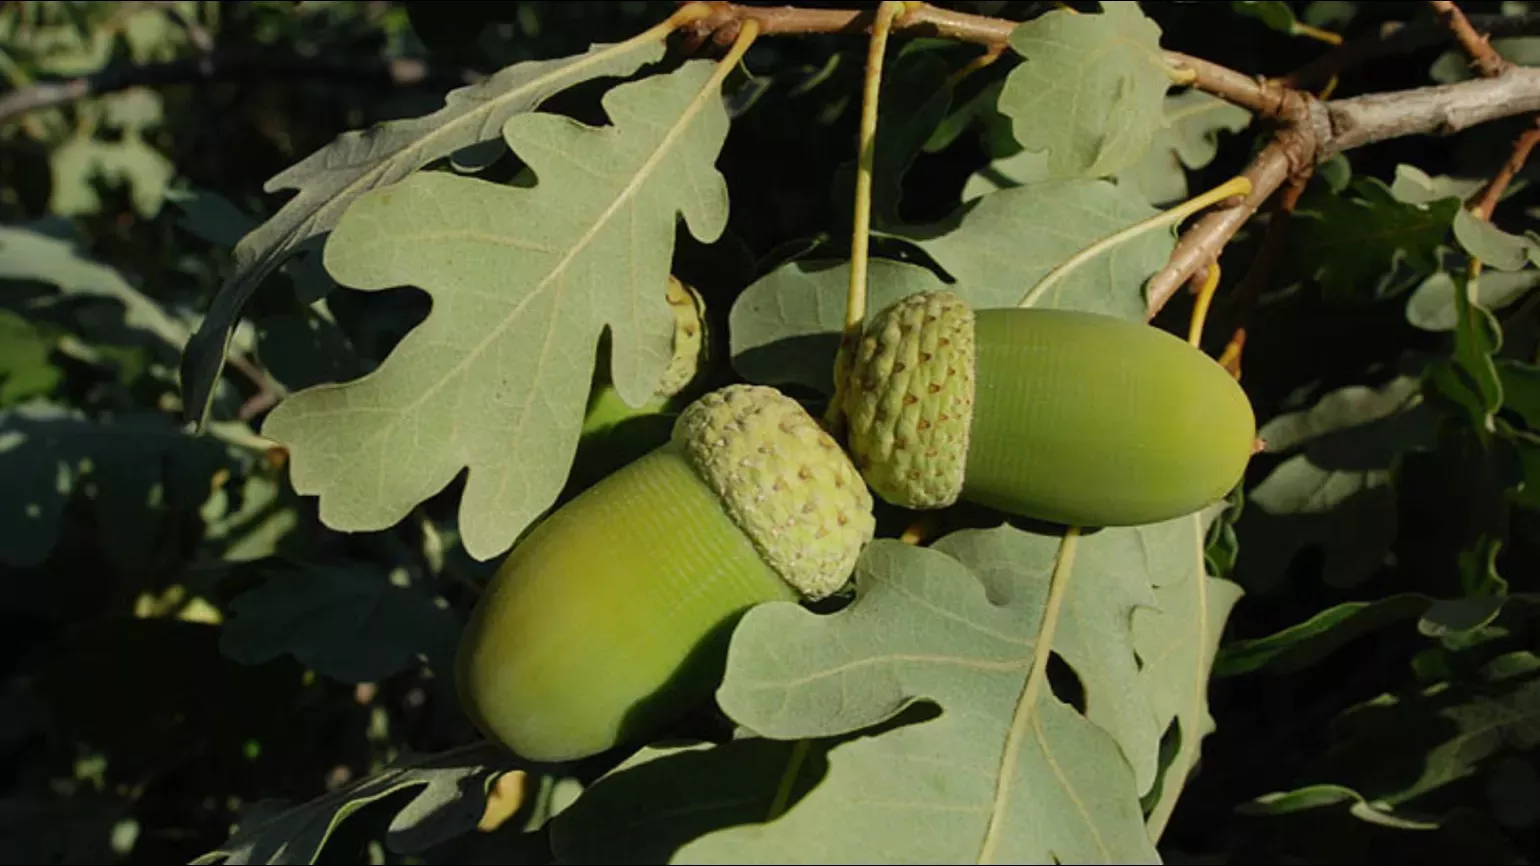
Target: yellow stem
{"x": 799, "y": 751}
{"x": 1328, "y": 89}
{"x": 974, "y": 65}
{"x": 1200, "y": 307}
{"x": 1317, "y": 33}
{"x": 746, "y": 34}
{"x": 922, "y": 528}
{"x": 860, "y": 238}
{"x": 1240, "y": 185}
{"x": 1181, "y": 74}
{"x": 1230, "y": 359}
{"x": 682, "y": 16}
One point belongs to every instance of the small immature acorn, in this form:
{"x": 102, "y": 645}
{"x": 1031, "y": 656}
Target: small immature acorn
{"x": 612, "y": 615}
{"x": 614, "y": 433}
{"x": 690, "y": 350}
{"x": 1057, "y": 415}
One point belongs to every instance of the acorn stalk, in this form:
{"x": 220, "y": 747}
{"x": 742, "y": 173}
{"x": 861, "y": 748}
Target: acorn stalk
{"x": 613, "y": 614}
{"x": 1057, "y": 415}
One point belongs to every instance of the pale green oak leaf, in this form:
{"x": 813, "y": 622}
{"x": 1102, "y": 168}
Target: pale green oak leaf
{"x": 1091, "y": 91}
{"x": 328, "y": 181}
{"x": 524, "y": 280}
{"x": 1007, "y": 772}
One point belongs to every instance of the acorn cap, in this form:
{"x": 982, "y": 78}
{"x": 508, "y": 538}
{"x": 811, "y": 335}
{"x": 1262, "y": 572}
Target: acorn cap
{"x": 783, "y": 480}
{"x": 689, "y": 338}
{"x": 909, "y": 400}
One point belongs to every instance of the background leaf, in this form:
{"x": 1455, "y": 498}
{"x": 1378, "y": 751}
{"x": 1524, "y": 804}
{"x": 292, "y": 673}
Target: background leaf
{"x": 450, "y": 800}
{"x": 1479, "y": 237}
{"x": 1469, "y": 377}
{"x": 25, "y": 368}
{"x": 1431, "y": 305}
{"x": 1368, "y": 244}
{"x": 1089, "y": 92}
{"x": 663, "y": 796}
{"x": 1301, "y": 645}
{"x": 136, "y": 471}
{"x": 1452, "y": 730}
{"x": 784, "y": 328}
{"x": 1187, "y": 141}
{"x": 1335, "y": 491}
{"x": 31, "y": 255}
{"x": 348, "y": 622}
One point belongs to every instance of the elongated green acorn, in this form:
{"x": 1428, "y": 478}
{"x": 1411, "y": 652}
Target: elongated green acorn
{"x": 1063, "y": 416}
{"x": 612, "y": 614}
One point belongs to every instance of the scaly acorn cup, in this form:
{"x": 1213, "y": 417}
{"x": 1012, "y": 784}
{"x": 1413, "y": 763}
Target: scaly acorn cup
{"x": 1056, "y": 415}
{"x": 612, "y": 615}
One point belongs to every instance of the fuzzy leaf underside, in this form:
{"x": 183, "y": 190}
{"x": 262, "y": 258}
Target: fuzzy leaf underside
{"x": 1091, "y": 89}
{"x": 957, "y": 625}
{"x": 523, "y": 281}
{"x": 331, "y": 179}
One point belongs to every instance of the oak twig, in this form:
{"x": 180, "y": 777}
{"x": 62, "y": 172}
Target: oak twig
{"x": 1486, "y": 61}
{"x": 1485, "y": 200}
{"x": 1287, "y": 155}
{"x": 1249, "y": 291}
{"x": 926, "y": 20}
{"x": 1316, "y": 130}
{"x": 269, "y": 392}
{"x": 1311, "y": 129}
{"x": 1438, "y": 110}
{"x": 1402, "y": 38}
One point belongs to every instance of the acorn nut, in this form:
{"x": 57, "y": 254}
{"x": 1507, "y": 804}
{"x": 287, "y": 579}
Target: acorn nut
{"x": 1057, "y": 415}
{"x": 612, "y": 615}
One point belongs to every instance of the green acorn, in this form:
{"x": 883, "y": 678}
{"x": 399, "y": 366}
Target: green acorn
{"x": 1056, "y": 415}
{"x": 612, "y": 615}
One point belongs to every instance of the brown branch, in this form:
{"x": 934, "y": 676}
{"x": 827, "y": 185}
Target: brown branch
{"x": 1249, "y": 291}
{"x": 1484, "y": 201}
{"x": 53, "y": 94}
{"x": 779, "y": 20}
{"x": 1316, "y": 130}
{"x": 1288, "y": 154}
{"x": 1483, "y": 58}
{"x": 722, "y": 25}
{"x": 269, "y": 392}
{"x": 1311, "y": 131}
{"x": 1391, "y": 38}
{"x": 1265, "y": 98}
{"x": 1439, "y": 110}
{"x": 1402, "y": 38}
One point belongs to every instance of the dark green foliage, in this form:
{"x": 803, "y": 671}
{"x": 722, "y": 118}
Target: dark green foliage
{"x": 199, "y": 663}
